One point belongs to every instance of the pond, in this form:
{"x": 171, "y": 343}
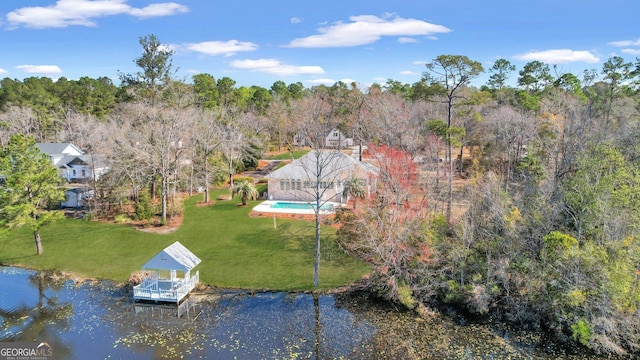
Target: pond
{"x": 98, "y": 320}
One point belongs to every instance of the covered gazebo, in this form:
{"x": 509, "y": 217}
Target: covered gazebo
{"x": 167, "y": 276}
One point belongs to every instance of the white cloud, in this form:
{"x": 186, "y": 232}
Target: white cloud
{"x": 159, "y": 9}
{"x": 296, "y": 20}
{"x": 66, "y": 13}
{"x": 3, "y": 71}
{"x": 40, "y": 69}
{"x": 409, "y": 72}
{"x": 221, "y": 48}
{"x": 624, "y": 43}
{"x": 559, "y": 56}
{"x": 634, "y": 52}
{"x": 366, "y": 29}
{"x": 273, "y": 66}
{"x": 420, "y": 62}
{"x": 406, "y": 40}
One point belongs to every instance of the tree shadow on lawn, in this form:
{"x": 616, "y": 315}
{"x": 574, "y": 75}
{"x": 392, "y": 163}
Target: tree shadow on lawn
{"x": 8, "y": 261}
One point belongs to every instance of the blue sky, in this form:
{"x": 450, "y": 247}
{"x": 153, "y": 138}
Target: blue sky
{"x": 260, "y": 42}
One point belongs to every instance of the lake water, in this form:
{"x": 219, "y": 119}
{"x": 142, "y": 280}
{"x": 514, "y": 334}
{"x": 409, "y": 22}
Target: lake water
{"x": 97, "y": 320}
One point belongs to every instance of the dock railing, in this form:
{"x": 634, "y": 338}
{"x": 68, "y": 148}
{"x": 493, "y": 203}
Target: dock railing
{"x": 155, "y": 290}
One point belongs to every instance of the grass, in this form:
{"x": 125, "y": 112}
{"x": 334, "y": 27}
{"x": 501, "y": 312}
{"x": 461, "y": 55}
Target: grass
{"x": 287, "y": 156}
{"x": 237, "y": 251}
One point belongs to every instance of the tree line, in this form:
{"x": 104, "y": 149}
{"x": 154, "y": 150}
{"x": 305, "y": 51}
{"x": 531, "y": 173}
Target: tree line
{"x": 521, "y": 201}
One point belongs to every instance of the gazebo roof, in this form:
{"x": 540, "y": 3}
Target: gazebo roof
{"x": 173, "y": 257}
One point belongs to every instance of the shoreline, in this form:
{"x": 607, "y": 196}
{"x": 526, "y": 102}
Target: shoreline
{"x": 80, "y": 278}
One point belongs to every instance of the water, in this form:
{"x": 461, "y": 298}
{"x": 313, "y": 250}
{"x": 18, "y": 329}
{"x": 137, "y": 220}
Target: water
{"x": 299, "y": 206}
{"x": 98, "y": 320}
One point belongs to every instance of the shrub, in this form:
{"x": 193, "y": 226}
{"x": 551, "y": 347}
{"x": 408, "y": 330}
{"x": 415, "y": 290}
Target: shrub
{"x": 144, "y": 209}
{"x": 557, "y": 244}
{"x": 581, "y": 332}
{"x": 175, "y": 208}
{"x": 239, "y": 178}
{"x": 122, "y": 219}
{"x": 405, "y": 296}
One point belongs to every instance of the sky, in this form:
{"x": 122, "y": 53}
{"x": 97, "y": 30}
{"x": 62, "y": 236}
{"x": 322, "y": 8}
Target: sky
{"x": 258, "y": 42}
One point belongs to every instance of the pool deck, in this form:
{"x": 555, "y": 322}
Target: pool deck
{"x": 264, "y": 208}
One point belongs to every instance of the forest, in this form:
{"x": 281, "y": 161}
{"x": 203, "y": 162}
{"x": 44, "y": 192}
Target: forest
{"x": 517, "y": 201}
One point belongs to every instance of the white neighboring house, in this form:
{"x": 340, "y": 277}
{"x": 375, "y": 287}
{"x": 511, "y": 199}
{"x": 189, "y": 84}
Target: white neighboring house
{"x": 336, "y": 139}
{"x": 297, "y": 180}
{"x": 299, "y": 140}
{"x": 72, "y": 164}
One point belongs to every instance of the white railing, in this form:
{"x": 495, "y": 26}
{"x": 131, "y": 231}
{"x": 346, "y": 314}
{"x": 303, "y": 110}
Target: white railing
{"x": 152, "y": 290}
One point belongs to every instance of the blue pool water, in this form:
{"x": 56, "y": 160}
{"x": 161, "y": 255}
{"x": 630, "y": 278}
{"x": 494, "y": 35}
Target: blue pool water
{"x": 299, "y": 206}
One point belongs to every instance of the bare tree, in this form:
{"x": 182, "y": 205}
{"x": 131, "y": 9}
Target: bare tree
{"x": 232, "y": 145}
{"x": 124, "y": 148}
{"x": 509, "y": 132}
{"x": 206, "y": 139}
{"x": 153, "y": 143}
{"x": 387, "y": 119}
{"x": 280, "y": 121}
{"x": 19, "y": 120}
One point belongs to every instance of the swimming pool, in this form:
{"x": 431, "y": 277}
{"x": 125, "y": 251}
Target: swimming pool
{"x": 294, "y": 207}
{"x": 299, "y": 205}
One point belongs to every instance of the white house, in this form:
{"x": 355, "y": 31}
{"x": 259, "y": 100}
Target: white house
{"x": 167, "y": 276}
{"x": 336, "y": 139}
{"x": 328, "y": 169}
{"x": 71, "y": 162}
{"x": 299, "y": 140}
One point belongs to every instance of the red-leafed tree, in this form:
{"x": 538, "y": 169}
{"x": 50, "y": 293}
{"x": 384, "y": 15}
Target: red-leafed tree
{"x": 398, "y": 173}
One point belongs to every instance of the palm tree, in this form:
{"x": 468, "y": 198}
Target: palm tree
{"x": 246, "y": 190}
{"x": 354, "y": 187}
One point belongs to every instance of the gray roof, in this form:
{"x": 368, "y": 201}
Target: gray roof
{"x": 65, "y": 161}
{"x": 173, "y": 257}
{"x": 96, "y": 160}
{"x": 78, "y": 190}
{"x": 58, "y": 148}
{"x": 331, "y": 161}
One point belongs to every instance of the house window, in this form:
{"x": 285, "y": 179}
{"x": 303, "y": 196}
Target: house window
{"x": 298, "y": 184}
{"x": 74, "y": 172}
{"x": 335, "y": 134}
{"x": 84, "y": 173}
{"x": 281, "y": 184}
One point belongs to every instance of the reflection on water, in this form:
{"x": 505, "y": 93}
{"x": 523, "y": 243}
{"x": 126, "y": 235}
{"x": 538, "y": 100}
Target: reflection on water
{"x": 98, "y": 320}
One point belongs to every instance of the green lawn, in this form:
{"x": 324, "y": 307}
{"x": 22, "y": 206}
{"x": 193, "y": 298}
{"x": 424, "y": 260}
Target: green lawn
{"x": 287, "y": 156}
{"x": 237, "y": 251}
